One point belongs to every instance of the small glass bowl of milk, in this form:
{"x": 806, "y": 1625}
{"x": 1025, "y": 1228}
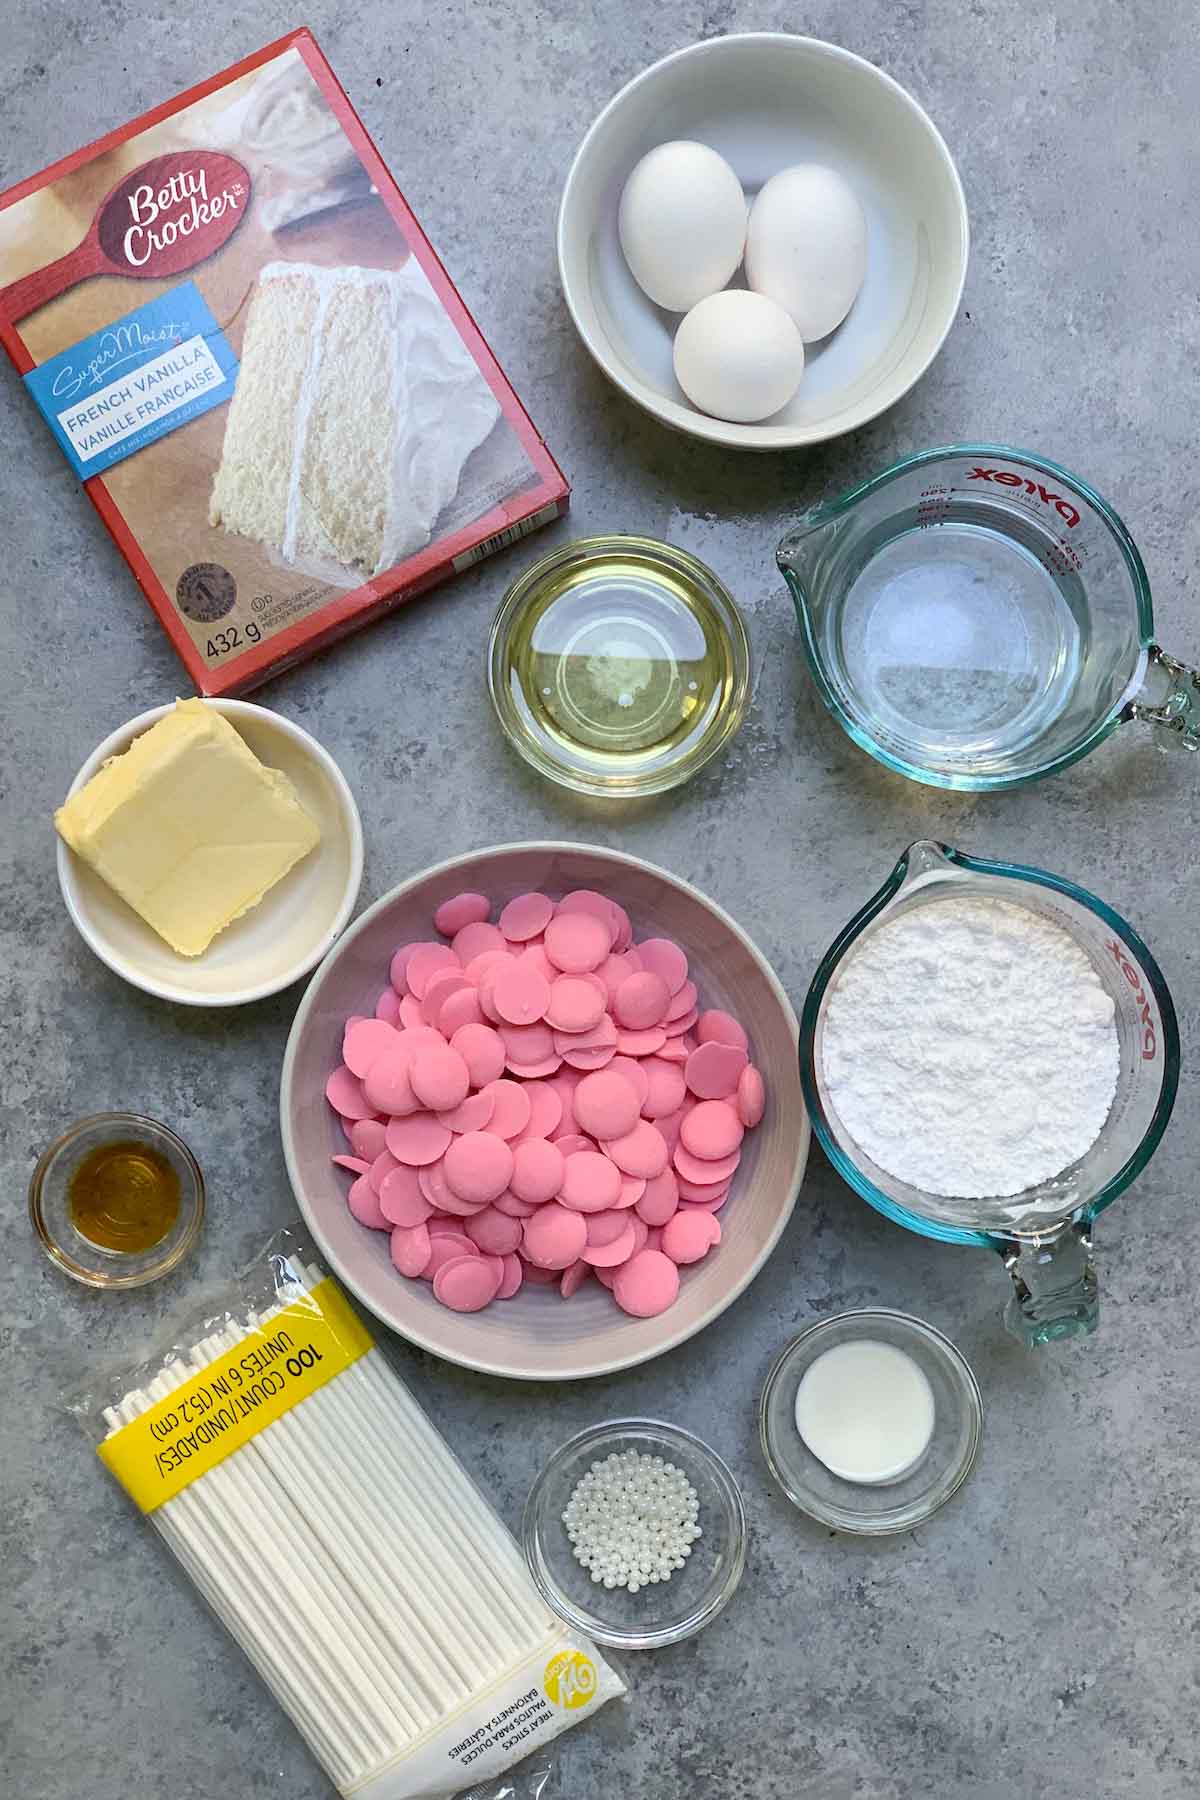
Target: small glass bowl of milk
{"x": 870, "y": 1421}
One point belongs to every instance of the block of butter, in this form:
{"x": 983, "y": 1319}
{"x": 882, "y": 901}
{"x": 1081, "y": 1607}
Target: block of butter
{"x": 188, "y": 826}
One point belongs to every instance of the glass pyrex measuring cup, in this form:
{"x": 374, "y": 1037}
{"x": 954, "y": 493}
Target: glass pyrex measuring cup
{"x": 976, "y": 617}
{"x": 1043, "y": 1233}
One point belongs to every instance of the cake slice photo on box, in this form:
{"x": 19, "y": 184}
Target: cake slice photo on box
{"x": 356, "y": 410}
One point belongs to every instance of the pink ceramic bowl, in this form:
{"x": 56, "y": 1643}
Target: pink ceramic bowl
{"x": 538, "y": 1336}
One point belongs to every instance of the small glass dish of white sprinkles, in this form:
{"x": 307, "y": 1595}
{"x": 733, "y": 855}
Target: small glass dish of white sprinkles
{"x": 635, "y": 1533}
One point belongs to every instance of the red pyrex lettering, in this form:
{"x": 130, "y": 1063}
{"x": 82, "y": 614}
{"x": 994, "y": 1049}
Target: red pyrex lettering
{"x": 1141, "y": 1000}
{"x": 1007, "y": 478}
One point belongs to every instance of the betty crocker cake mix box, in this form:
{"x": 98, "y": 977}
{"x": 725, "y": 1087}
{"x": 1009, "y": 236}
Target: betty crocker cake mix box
{"x": 253, "y": 360}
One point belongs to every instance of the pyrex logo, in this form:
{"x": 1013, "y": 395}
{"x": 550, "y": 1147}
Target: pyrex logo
{"x": 1008, "y": 478}
{"x": 1141, "y": 999}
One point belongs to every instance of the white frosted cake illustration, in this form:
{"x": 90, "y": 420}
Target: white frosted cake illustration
{"x": 356, "y": 408}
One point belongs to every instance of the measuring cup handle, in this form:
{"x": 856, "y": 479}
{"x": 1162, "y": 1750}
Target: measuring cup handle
{"x": 1055, "y": 1293}
{"x": 1170, "y": 701}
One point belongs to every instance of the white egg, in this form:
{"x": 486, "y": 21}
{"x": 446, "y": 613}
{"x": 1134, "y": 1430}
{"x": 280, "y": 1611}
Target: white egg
{"x": 738, "y": 356}
{"x": 806, "y": 247}
{"x": 682, "y": 223}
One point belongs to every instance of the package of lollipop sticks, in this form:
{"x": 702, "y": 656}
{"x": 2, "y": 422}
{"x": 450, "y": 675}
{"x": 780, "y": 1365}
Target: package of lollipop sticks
{"x": 339, "y": 1540}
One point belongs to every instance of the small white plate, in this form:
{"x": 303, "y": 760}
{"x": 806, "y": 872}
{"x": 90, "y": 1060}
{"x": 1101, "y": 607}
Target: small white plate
{"x": 277, "y": 941}
{"x": 767, "y": 100}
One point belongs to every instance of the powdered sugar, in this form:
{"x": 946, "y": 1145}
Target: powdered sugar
{"x": 970, "y": 1048}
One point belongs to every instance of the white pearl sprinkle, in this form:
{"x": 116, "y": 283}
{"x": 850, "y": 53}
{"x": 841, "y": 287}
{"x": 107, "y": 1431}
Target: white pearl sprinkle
{"x": 631, "y": 1520}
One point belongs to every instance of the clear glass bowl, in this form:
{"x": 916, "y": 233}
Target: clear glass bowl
{"x": 976, "y": 617}
{"x": 852, "y": 1506}
{"x": 1042, "y": 1233}
{"x": 618, "y": 666}
{"x": 67, "y": 1247}
{"x": 665, "y": 1612}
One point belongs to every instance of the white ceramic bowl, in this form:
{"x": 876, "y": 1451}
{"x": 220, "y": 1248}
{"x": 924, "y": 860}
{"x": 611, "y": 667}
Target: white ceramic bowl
{"x": 290, "y": 929}
{"x": 767, "y": 100}
{"x": 538, "y": 1336}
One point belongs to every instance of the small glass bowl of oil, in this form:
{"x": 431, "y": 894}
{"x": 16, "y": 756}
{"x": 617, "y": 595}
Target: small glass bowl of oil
{"x": 618, "y": 666}
{"x": 117, "y": 1200}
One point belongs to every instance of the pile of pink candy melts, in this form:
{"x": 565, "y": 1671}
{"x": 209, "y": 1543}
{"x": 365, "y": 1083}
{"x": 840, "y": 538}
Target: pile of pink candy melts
{"x": 542, "y": 1100}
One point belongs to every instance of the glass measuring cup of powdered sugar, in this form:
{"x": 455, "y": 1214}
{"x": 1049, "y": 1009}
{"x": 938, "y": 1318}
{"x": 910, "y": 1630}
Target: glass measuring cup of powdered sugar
{"x": 1043, "y": 1233}
{"x": 977, "y": 617}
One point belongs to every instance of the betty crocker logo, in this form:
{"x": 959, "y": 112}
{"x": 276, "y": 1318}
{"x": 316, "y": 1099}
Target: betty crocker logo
{"x": 165, "y": 216}
{"x": 1007, "y": 478}
{"x": 1140, "y": 997}
{"x": 174, "y": 211}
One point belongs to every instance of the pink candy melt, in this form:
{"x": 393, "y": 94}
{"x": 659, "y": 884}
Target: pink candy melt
{"x": 367, "y": 1138}
{"x": 514, "y": 1274}
{"x": 577, "y": 1002}
{"x": 711, "y": 1130}
{"x": 545, "y": 1109}
{"x": 606, "y": 1104}
{"x": 387, "y": 1086}
{"x": 446, "y": 1247}
{"x": 646, "y": 1285}
{"x": 512, "y": 1108}
{"x": 520, "y": 995}
{"x": 718, "y": 1027}
{"x": 751, "y": 1097}
{"x": 689, "y": 1236}
{"x": 472, "y": 1114}
{"x": 665, "y": 1088}
{"x": 464, "y": 909}
{"x": 466, "y": 1284}
{"x": 363, "y": 1202}
{"x": 439, "y": 1078}
{"x": 526, "y": 917}
{"x": 477, "y": 1167}
{"x": 344, "y": 1093}
{"x": 591, "y": 1183}
{"x": 554, "y": 1237}
{"x": 424, "y": 964}
{"x": 713, "y": 1070}
{"x": 660, "y": 1200}
{"x": 576, "y": 942}
{"x": 642, "y": 1001}
{"x": 417, "y": 1139}
{"x": 411, "y": 1249}
{"x": 611, "y": 1256}
{"x": 538, "y": 1170}
{"x": 401, "y": 1200}
{"x": 482, "y": 1049}
{"x": 364, "y": 1042}
{"x": 474, "y": 939}
{"x": 540, "y": 1099}
{"x": 387, "y": 1007}
{"x": 494, "y": 1232}
{"x": 642, "y": 1151}
{"x": 635, "y": 1075}
{"x": 701, "y": 1172}
{"x": 666, "y": 959}
{"x": 573, "y": 1279}
{"x": 462, "y": 1008}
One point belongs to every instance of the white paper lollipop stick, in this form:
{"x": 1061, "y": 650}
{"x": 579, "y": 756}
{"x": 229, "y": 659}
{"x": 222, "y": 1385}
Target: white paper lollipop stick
{"x": 348, "y": 1622}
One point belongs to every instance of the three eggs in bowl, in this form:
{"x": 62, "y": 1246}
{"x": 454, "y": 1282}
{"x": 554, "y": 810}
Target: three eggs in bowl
{"x": 685, "y": 229}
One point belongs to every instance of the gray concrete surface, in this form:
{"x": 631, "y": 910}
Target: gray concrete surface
{"x": 1039, "y": 1636}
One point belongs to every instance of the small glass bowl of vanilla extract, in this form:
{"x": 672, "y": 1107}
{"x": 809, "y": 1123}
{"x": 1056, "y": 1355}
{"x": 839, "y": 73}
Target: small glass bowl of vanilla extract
{"x": 117, "y": 1200}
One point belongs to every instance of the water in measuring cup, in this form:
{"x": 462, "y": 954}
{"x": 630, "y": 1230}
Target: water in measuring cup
{"x": 954, "y": 640}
